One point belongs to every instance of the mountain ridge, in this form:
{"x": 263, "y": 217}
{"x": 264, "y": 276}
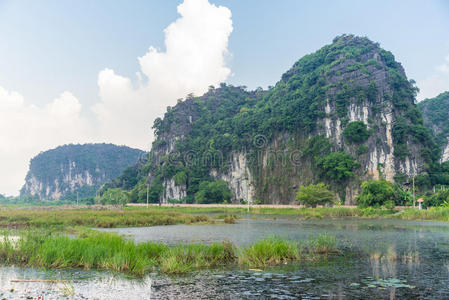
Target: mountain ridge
{"x": 312, "y": 118}
{"x": 73, "y": 170}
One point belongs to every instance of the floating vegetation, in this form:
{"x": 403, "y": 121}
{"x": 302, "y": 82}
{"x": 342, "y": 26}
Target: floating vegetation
{"x": 369, "y": 282}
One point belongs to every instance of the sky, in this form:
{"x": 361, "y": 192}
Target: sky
{"x": 102, "y": 71}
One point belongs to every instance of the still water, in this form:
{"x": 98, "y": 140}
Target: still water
{"x": 403, "y": 259}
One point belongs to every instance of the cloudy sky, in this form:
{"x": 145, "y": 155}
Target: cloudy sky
{"x": 102, "y": 71}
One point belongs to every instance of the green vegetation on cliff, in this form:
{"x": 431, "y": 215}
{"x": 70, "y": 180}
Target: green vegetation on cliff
{"x": 436, "y": 116}
{"x": 72, "y": 171}
{"x": 197, "y": 139}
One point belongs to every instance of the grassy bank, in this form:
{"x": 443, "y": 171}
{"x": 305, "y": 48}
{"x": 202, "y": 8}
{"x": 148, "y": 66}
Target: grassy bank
{"x": 318, "y": 212}
{"x": 106, "y": 251}
{"x": 64, "y": 218}
{"x": 431, "y": 214}
{"x": 435, "y": 214}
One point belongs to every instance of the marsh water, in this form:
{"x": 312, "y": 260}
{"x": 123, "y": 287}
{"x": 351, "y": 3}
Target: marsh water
{"x": 399, "y": 259}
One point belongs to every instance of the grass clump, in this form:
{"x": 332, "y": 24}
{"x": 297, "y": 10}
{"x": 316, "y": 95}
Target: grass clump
{"x": 108, "y": 251}
{"x": 323, "y": 244}
{"x": 433, "y": 213}
{"x": 185, "y": 258}
{"x": 270, "y": 251}
{"x": 230, "y": 219}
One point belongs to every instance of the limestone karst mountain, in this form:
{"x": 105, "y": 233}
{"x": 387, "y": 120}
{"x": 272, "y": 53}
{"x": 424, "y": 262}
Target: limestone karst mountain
{"x": 343, "y": 114}
{"x": 63, "y": 172}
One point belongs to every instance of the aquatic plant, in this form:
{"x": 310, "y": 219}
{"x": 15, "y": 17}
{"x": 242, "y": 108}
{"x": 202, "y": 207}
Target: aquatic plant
{"x": 229, "y": 219}
{"x": 108, "y": 251}
{"x": 269, "y": 251}
{"x": 323, "y": 244}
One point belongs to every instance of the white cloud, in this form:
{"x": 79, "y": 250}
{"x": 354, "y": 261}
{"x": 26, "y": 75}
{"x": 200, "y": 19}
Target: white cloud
{"x": 437, "y": 83}
{"x": 196, "y": 48}
{"x": 25, "y": 130}
{"x": 194, "y": 58}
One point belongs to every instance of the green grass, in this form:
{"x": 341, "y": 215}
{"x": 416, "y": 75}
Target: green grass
{"x": 108, "y": 251}
{"x": 270, "y": 251}
{"x": 64, "y": 218}
{"x": 275, "y": 251}
{"x": 435, "y": 214}
{"x": 323, "y": 244}
{"x": 319, "y": 212}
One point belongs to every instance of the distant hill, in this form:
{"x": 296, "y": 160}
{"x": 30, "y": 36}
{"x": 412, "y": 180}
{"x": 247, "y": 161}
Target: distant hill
{"x": 63, "y": 172}
{"x": 436, "y": 117}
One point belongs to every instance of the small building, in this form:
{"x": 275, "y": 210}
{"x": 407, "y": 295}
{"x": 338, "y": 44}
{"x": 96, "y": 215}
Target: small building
{"x": 420, "y": 201}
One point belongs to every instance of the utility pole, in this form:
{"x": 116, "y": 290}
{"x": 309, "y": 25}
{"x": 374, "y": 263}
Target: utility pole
{"x": 77, "y": 201}
{"x": 148, "y": 192}
{"x": 413, "y": 180}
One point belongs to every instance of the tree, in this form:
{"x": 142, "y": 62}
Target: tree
{"x": 438, "y": 199}
{"x": 213, "y": 192}
{"x": 314, "y": 195}
{"x": 180, "y": 178}
{"x": 376, "y": 193}
{"x": 356, "y": 132}
{"x": 114, "y": 196}
{"x": 338, "y": 166}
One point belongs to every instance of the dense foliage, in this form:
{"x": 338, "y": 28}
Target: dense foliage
{"x": 379, "y": 193}
{"x": 213, "y": 192}
{"x": 441, "y": 198}
{"x": 436, "y": 116}
{"x": 356, "y": 132}
{"x": 114, "y": 196}
{"x": 338, "y": 166}
{"x": 315, "y": 194}
{"x": 376, "y": 193}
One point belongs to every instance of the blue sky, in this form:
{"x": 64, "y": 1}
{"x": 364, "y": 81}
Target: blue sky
{"x": 76, "y": 71}
{"x": 49, "y": 46}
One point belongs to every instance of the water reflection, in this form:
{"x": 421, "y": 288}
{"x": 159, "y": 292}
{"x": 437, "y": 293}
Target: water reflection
{"x": 402, "y": 259}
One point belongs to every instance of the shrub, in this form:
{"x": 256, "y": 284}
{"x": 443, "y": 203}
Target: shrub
{"x": 376, "y": 193}
{"x": 438, "y": 199}
{"x": 213, "y": 192}
{"x": 115, "y": 196}
{"x": 314, "y": 195}
{"x": 356, "y": 132}
{"x": 338, "y": 166}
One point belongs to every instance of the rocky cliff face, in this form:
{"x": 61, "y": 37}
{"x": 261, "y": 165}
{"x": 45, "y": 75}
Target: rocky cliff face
{"x": 62, "y": 172}
{"x": 436, "y": 117}
{"x": 341, "y": 115}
